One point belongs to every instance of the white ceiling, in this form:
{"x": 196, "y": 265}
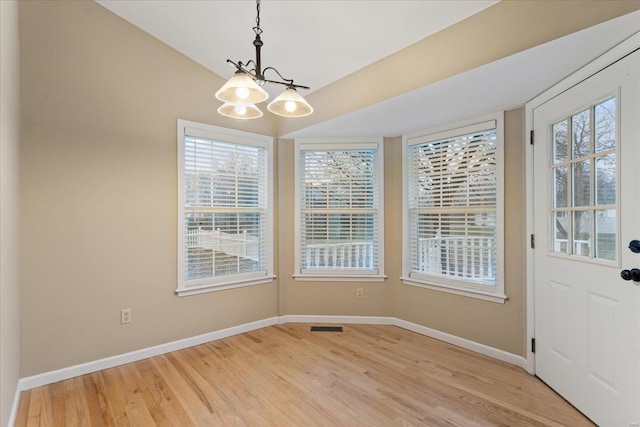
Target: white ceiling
{"x": 501, "y": 85}
{"x": 298, "y": 36}
{"x": 319, "y": 42}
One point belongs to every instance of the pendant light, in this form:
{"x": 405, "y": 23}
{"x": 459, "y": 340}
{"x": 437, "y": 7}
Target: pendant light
{"x": 290, "y": 104}
{"x": 241, "y": 89}
{"x": 244, "y": 89}
{"x": 240, "y": 111}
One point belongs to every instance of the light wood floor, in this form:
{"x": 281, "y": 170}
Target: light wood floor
{"x": 288, "y": 376}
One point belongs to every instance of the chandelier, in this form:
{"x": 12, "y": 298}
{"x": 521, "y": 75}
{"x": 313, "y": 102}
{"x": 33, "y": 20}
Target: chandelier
{"x": 244, "y": 90}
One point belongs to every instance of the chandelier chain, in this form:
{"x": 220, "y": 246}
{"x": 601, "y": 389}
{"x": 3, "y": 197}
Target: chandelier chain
{"x": 257, "y": 28}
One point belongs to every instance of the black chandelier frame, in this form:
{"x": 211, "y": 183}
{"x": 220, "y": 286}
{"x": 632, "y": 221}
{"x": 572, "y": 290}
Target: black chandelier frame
{"x": 257, "y": 73}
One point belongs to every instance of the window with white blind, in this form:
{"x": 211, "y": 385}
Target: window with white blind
{"x": 339, "y": 210}
{"x": 453, "y": 209}
{"x": 225, "y": 199}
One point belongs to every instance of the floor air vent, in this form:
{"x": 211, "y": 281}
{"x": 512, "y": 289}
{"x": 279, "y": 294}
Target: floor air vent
{"x": 326, "y": 329}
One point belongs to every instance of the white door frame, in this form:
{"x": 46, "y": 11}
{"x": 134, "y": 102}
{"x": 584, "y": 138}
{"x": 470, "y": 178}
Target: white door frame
{"x": 608, "y": 58}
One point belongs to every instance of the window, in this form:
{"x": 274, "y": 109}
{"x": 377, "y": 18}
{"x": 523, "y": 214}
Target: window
{"x": 453, "y": 210}
{"x": 583, "y": 179}
{"x": 224, "y": 219}
{"x": 339, "y": 212}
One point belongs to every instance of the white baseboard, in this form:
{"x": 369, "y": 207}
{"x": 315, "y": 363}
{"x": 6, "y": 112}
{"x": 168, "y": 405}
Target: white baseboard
{"x": 528, "y": 364}
{"x": 110, "y": 362}
{"x": 362, "y": 320}
{"x": 493, "y": 352}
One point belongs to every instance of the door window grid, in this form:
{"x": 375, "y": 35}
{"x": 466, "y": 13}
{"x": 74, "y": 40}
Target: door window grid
{"x": 584, "y": 183}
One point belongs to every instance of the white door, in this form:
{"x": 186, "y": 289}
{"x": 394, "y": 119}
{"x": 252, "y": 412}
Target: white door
{"x": 587, "y": 211}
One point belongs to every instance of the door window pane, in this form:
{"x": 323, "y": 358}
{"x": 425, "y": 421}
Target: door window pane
{"x": 581, "y": 183}
{"x": 605, "y": 114}
{"x": 581, "y": 232}
{"x": 581, "y": 132}
{"x": 606, "y": 234}
{"x": 560, "y": 141}
{"x": 560, "y": 185}
{"x": 560, "y": 234}
{"x": 606, "y": 180}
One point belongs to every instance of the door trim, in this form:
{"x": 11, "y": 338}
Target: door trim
{"x": 616, "y": 53}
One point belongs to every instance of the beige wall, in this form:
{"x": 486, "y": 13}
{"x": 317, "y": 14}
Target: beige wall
{"x": 9, "y": 206}
{"x": 100, "y": 102}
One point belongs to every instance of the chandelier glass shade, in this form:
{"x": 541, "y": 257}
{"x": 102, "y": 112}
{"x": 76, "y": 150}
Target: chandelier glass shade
{"x": 290, "y": 104}
{"x": 241, "y": 89}
{"x": 240, "y": 111}
{"x": 244, "y": 89}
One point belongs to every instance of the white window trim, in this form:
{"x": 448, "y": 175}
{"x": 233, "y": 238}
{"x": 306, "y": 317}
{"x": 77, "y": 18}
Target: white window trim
{"x": 339, "y": 144}
{"x": 453, "y": 286}
{"x": 235, "y": 280}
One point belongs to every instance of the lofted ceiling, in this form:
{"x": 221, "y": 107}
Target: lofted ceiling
{"x": 298, "y": 35}
{"x": 320, "y": 42}
{"x": 500, "y": 85}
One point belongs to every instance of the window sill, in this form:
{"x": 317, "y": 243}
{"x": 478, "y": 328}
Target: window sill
{"x": 471, "y": 293}
{"x": 214, "y": 287}
{"x": 339, "y": 278}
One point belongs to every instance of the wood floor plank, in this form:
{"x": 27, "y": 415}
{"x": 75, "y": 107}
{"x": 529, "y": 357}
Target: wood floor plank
{"x": 98, "y": 404}
{"x": 58, "y": 405}
{"x": 114, "y": 388}
{"x": 40, "y": 408}
{"x": 199, "y": 414}
{"x": 76, "y": 407}
{"x": 158, "y": 394}
{"x": 24, "y": 405}
{"x": 139, "y": 410}
{"x": 286, "y": 375}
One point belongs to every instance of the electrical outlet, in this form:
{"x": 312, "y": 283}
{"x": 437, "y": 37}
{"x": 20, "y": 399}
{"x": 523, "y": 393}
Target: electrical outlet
{"x": 359, "y": 293}
{"x": 125, "y": 315}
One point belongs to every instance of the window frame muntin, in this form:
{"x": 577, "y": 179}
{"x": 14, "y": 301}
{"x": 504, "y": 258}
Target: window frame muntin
{"x": 237, "y": 280}
{"x": 451, "y": 285}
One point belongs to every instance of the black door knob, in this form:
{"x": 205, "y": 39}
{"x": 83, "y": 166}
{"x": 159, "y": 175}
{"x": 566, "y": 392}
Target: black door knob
{"x": 634, "y": 246}
{"x": 633, "y": 274}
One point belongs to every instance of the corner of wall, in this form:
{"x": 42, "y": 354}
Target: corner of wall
{"x": 9, "y": 210}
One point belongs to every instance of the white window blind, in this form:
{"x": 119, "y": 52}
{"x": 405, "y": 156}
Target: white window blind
{"x": 224, "y": 209}
{"x": 452, "y": 207}
{"x": 339, "y": 209}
